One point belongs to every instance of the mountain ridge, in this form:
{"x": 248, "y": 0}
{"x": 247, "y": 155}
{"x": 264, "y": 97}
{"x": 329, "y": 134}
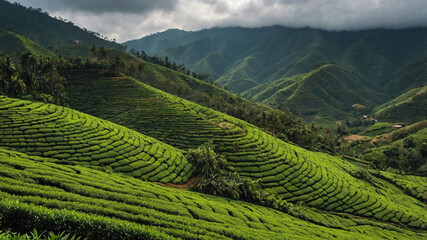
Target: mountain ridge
{"x": 287, "y": 52}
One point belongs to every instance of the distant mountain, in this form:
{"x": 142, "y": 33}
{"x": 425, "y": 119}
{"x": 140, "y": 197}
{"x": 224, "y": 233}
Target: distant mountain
{"x": 328, "y": 92}
{"x": 43, "y": 29}
{"x": 408, "y": 108}
{"x": 242, "y": 58}
{"x": 158, "y": 42}
{"x": 14, "y": 45}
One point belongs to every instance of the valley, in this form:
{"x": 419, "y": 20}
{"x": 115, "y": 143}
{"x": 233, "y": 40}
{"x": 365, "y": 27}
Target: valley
{"x": 223, "y": 133}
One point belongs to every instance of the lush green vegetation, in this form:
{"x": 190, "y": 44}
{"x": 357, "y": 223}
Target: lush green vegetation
{"x": 41, "y": 28}
{"x": 76, "y": 138}
{"x": 15, "y": 46}
{"x": 317, "y": 179}
{"x": 57, "y": 198}
{"x": 327, "y": 93}
{"x": 34, "y": 235}
{"x": 403, "y": 149}
{"x": 35, "y": 78}
{"x": 242, "y": 58}
{"x": 65, "y": 173}
{"x": 408, "y": 108}
{"x": 415, "y": 186}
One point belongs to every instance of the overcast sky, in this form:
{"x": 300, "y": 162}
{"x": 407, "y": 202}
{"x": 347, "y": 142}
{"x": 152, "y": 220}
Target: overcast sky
{"x": 131, "y": 19}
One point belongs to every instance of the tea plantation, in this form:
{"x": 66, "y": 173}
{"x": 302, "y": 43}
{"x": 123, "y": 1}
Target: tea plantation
{"x": 76, "y": 138}
{"x": 319, "y": 180}
{"x": 40, "y": 193}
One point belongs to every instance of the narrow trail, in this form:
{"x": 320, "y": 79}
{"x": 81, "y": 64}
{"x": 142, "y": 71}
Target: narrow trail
{"x": 192, "y": 182}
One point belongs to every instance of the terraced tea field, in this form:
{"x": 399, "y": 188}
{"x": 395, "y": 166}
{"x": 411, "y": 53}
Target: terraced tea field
{"x": 415, "y": 186}
{"x": 318, "y": 180}
{"x": 76, "y": 138}
{"x": 99, "y": 205}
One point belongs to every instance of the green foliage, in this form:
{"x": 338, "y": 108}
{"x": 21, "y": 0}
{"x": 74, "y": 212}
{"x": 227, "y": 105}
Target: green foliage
{"x": 15, "y": 46}
{"x": 206, "y": 160}
{"x": 362, "y": 173}
{"x": 324, "y": 94}
{"x": 76, "y": 138}
{"x": 232, "y": 185}
{"x": 377, "y": 158}
{"x": 38, "y": 193}
{"x": 46, "y": 30}
{"x": 408, "y": 108}
{"x": 320, "y": 180}
{"x": 34, "y": 235}
{"x": 37, "y": 78}
{"x": 237, "y": 55}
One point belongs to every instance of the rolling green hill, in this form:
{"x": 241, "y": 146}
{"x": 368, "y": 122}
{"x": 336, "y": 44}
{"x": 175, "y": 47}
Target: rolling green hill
{"x": 76, "y": 138}
{"x": 15, "y": 46}
{"x": 160, "y": 77}
{"x": 319, "y": 180}
{"x": 244, "y": 57}
{"x": 99, "y": 205}
{"x": 104, "y": 167}
{"x": 327, "y": 93}
{"x": 408, "y": 108}
{"x": 43, "y": 29}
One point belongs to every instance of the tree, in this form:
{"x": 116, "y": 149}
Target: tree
{"x": 103, "y": 53}
{"x": 206, "y": 159}
{"x": 12, "y": 85}
{"x": 118, "y": 65}
{"x": 93, "y": 50}
{"x": 132, "y": 69}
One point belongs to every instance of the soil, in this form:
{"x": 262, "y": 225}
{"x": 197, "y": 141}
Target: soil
{"x": 352, "y": 138}
{"x": 191, "y": 183}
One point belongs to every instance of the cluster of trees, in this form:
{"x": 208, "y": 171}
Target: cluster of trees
{"x": 406, "y": 156}
{"x": 171, "y": 65}
{"x": 33, "y": 78}
{"x": 217, "y": 180}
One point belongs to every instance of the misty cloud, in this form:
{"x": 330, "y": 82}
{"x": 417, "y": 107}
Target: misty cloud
{"x": 132, "y": 19}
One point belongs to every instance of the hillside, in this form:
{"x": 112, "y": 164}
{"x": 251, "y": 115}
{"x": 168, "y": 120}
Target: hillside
{"x": 319, "y": 180}
{"x": 387, "y": 145}
{"x": 326, "y": 93}
{"x": 76, "y": 138}
{"x": 15, "y": 46}
{"x": 99, "y": 205}
{"x": 139, "y": 147}
{"x": 160, "y": 77}
{"x": 408, "y": 108}
{"x": 245, "y": 57}
{"x": 43, "y": 29}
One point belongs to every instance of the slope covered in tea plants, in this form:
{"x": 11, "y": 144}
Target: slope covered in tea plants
{"x": 76, "y": 138}
{"x": 15, "y": 46}
{"x": 319, "y": 180}
{"x": 99, "y": 205}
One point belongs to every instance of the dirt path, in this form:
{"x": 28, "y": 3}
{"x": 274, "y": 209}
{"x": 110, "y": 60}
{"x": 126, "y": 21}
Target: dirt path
{"x": 192, "y": 182}
{"x": 352, "y": 138}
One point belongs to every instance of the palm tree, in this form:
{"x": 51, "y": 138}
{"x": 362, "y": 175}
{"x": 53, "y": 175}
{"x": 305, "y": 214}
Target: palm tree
{"x": 17, "y": 87}
{"x": 206, "y": 159}
{"x": 12, "y": 84}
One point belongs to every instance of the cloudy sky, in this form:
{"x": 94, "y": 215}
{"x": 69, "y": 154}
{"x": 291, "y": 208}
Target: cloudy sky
{"x": 131, "y": 19}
